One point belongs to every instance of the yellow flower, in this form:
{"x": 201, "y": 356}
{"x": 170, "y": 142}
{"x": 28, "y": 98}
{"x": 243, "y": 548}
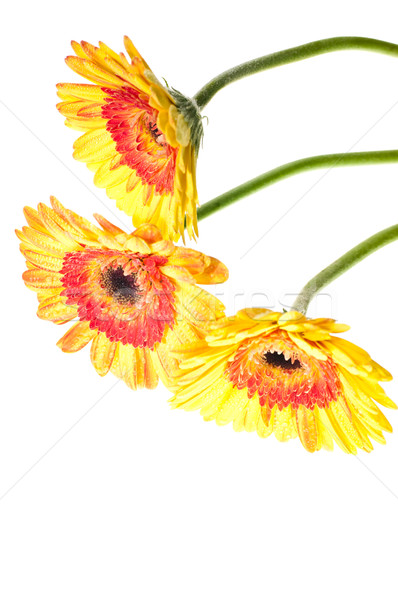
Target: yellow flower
{"x": 132, "y": 295}
{"x": 288, "y": 375}
{"x": 141, "y": 138}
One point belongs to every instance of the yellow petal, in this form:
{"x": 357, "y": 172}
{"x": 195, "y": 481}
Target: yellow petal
{"x": 283, "y": 424}
{"x": 135, "y": 367}
{"x": 84, "y": 91}
{"x": 102, "y": 353}
{"x": 94, "y": 146}
{"x": 307, "y": 347}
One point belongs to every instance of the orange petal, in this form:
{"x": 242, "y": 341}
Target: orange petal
{"x": 307, "y": 428}
{"x": 33, "y": 219}
{"x": 107, "y": 225}
{"x": 76, "y": 337}
{"x": 132, "y": 50}
{"x": 41, "y": 260}
{"x": 136, "y": 244}
{"x": 149, "y": 233}
{"x": 216, "y": 272}
{"x": 55, "y": 309}
{"x": 37, "y": 278}
{"x": 92, "y": 72}
{"x": 41, "y": 240}
{"x": 192, "y": 260}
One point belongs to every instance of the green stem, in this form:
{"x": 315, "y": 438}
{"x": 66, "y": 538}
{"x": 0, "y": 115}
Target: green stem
{"x": 293, "y": 168}
{"x": 206, "y": 93}
{"x": 342, "y": 264}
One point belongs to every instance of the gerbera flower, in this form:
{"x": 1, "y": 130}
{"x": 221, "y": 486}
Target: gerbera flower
{"x": 288, "y": 375}
{"x": 142, "y": 139}
{"x": 132, "y": 295}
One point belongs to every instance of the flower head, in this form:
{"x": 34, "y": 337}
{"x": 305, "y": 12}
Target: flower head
{"x": 288, "y": 375}
{"x": 134, "y": 296}
{"x": 141, "y": 139}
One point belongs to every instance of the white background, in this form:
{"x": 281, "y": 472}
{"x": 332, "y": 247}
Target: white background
{"x": 106, "y": 493}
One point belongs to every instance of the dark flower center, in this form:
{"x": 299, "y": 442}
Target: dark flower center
{"x": 278, "y": 360}
{"x": 156, "y": 134}
{"x": 121, "y": 287}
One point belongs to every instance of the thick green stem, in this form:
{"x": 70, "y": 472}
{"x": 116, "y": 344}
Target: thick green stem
{"x": 342, "y": 264}
{"x": 206, "y": 93}
{"x": 293, "y": 168}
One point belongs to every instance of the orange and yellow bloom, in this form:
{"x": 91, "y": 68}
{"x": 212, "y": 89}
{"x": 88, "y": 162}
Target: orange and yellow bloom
{"x": 134, "y": 296}
{"x": 285, "y": 374}
{"x": 141, "y": 139}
